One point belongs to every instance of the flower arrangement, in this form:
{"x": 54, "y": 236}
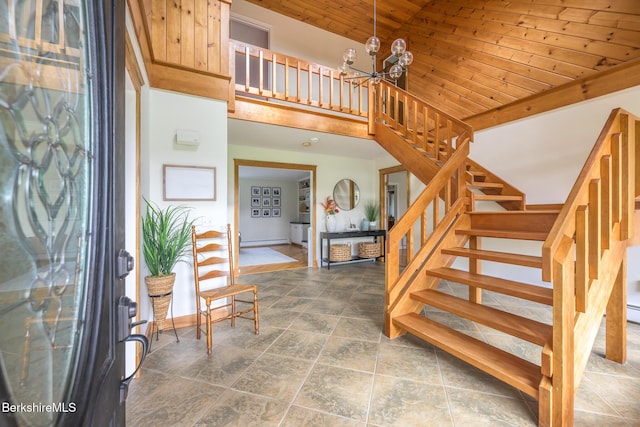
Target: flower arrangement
{"x": 330, "y": 206}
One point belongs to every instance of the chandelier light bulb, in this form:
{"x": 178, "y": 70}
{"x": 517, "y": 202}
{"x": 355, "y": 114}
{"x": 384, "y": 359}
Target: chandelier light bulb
{"x": 349, "y": 55}
{"x": 372, "y": 46}
{"x": 398, "y": 47}
{"x": 395, "y": 71}
{"x": 406, "y": 59}
{"x": 343, "y": 68}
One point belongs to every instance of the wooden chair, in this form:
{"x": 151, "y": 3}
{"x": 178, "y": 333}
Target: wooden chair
{"x": 213, "y": 258}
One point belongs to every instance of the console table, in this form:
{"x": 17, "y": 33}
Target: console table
{"x": 330, "y": 235}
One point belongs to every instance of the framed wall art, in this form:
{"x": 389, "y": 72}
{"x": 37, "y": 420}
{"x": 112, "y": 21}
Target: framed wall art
{"x": 189, "y": 183}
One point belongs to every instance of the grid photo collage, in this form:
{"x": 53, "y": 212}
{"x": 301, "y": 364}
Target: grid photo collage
{"x": 265, "y": 202}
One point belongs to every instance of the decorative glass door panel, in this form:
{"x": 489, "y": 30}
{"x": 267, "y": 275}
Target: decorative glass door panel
{"x": 46, "y": 184}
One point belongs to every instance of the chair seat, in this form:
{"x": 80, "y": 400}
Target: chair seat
{"x": 227, "y": 291}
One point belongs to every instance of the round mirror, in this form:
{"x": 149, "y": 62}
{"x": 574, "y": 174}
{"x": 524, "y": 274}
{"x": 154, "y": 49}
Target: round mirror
{"x": 346, "y": 194}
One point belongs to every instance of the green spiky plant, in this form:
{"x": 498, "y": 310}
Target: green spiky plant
{"x": 166, "y": 237}
{"x": 371, "y": 211}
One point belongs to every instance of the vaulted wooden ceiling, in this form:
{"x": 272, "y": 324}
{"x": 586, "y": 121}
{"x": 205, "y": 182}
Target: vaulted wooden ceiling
{"x": 474, "y": 58}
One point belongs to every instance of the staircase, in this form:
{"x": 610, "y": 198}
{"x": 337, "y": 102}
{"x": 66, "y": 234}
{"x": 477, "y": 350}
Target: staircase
{"x": 581, "y": 252}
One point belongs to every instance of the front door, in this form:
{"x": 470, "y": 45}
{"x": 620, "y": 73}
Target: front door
{"x": 61, "y": 212}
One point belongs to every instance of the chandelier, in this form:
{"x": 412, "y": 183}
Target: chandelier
{"x": 372, "y": 46}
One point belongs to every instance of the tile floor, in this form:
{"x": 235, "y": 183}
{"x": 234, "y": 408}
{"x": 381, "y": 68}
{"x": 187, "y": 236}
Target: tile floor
{"x": 321, "y": 359}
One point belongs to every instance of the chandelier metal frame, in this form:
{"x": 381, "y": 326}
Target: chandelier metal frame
{"x": 372, "y": 46}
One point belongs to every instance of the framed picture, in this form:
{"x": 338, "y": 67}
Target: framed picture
{"x": 188, "y": 183}
{"x": 266, "y": 212}
{"x": 266, "y": 201}
{"x": 275, "y": 191}
{"x": 256, "y": 191}
{"x": 255, "y": 202}
{"x": 275, "y": 212}
{"x": 255, "y": 213}
{"x": 275, "y": 202}
{"x": 266, "y": 191}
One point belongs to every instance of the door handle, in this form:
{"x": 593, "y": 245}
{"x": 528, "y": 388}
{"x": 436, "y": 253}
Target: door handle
{"x": 124, "y": 384}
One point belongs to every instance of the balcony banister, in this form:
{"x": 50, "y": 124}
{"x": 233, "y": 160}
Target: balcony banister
{"x": 285, "y": 78}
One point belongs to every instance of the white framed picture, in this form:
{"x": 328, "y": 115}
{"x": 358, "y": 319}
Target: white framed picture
{"x": 266, "y": 212}
{"x": 266, "y": 191}
{"x": 266, "y": 201}
{"x": 255, "y": 202}
{"x": 275, "y": 191}
{"x": 275, "y": 212}
{"x": 255, "y": 213}
{"x": 256, "y": 191}
{"x": 275, "y": 202}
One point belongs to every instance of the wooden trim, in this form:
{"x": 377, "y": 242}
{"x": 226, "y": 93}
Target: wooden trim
{"x": 263, "y": 111}
{"x": 617, "y": 78}
{"x": 274, "y": 165}
{"x": 132, "y": 64}
{"x": 133, "y": 69}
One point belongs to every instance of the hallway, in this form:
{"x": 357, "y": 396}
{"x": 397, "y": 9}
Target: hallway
{"x": 321, "y": 359}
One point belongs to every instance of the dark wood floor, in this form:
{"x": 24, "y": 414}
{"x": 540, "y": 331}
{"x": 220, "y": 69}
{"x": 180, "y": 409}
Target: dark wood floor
{"x": 293, "y": 251}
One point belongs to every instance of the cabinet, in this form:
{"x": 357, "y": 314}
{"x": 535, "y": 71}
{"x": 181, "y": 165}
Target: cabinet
{"x": 298, "y": 233}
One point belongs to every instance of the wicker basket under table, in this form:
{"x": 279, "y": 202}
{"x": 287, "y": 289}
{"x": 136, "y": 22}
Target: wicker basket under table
{"x": 369, "y": 249}
{"x": 339, "y": 253}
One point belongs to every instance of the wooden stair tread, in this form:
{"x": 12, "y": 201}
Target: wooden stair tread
{"x": 498, "y": 197}
{"x": 506, "y": 234}
{"x": 503, "y": 257}
{"x": 484, "y": 184}
{"x": 512, "y": 288}
{"x": 519, "y": 373}
{"x": 512, "y": 324}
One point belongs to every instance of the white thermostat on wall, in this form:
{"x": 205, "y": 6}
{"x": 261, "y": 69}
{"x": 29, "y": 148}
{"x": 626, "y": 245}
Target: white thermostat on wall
{"x": 187, "y": 137}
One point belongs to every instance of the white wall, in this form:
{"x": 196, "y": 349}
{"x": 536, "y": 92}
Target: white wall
{"x": 272, "y": 230}
{"x": 167, "y": 112}
{"x": 543, "y": 155}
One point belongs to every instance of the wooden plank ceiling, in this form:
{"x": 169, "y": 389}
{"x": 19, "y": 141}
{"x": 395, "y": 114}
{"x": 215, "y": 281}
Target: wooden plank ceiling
{"x": 475, "y": 56}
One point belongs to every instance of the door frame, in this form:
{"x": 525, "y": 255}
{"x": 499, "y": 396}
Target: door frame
{"x": 137, "y": 79}
{"x": 273, "y": 165}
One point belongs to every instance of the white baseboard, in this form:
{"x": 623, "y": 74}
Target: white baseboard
{"x": 633, "y": 313}
{"x": 244, "y": 244}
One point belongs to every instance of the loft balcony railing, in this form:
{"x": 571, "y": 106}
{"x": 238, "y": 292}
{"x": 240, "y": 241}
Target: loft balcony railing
{"x": 272, "y": 76}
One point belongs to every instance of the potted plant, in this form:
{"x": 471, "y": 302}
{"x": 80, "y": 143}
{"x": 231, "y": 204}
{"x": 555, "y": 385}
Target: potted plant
{"x": 166, "y": 239}
{"x": 371, "y": 211}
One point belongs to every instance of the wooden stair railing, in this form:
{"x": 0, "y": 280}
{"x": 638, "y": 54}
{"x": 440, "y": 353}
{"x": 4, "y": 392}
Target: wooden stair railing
{"x": 412, "y": 238}
{"x": 583, "y": 255}
{"x": 420, "y": 136}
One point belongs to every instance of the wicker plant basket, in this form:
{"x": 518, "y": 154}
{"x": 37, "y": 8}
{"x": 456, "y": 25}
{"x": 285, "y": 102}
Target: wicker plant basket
{"x": 339, "y": 253}
{"x": 160, "y": 290}
{"x": 369, "y": 249}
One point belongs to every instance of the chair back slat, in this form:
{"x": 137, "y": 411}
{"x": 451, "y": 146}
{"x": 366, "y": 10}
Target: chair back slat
{"x": 211, "y": 247}
{"x": 212, "y": 261}
{"x": 213, "y": 274}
